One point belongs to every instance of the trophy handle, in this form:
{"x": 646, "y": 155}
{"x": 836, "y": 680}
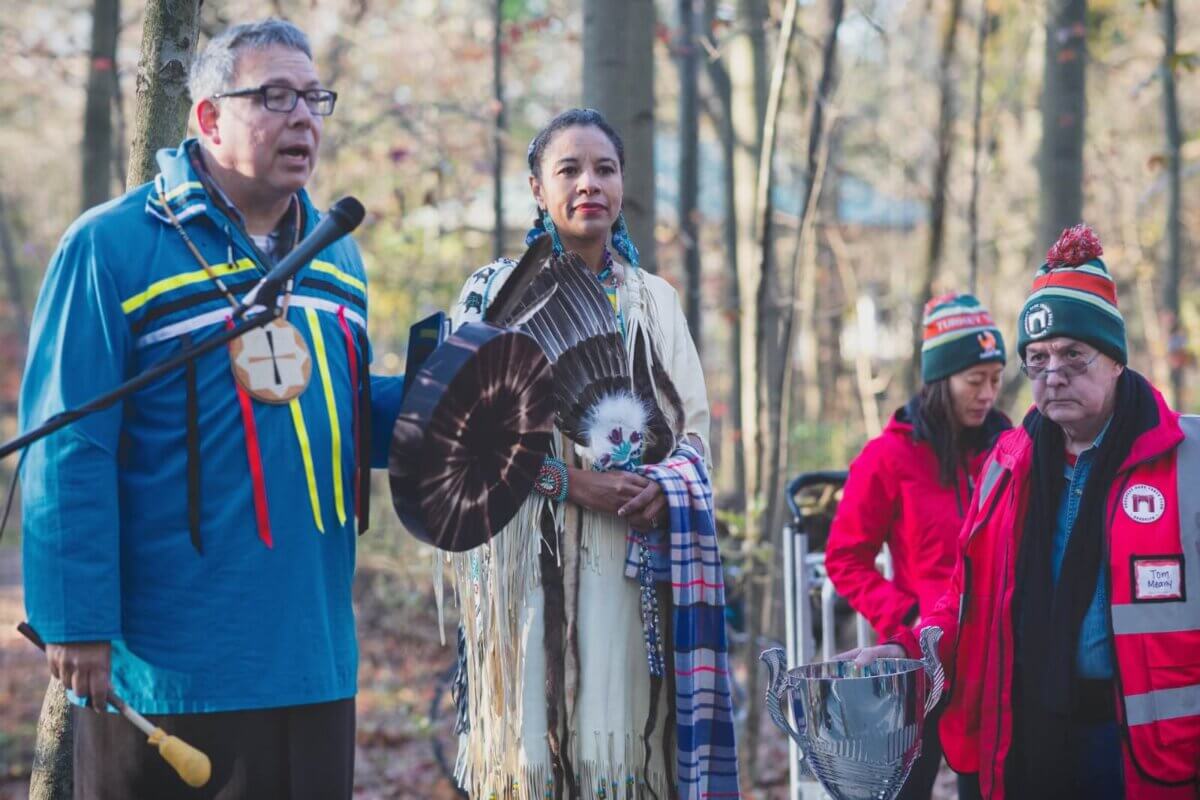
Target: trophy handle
{"x": 776, "y": 661}
{"x": 933, "y": 666}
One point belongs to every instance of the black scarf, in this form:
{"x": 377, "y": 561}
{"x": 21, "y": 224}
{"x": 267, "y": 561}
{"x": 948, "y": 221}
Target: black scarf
{"x": 1047, "y": 693}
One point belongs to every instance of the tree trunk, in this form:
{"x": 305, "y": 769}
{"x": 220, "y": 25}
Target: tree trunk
{"x": 1064, "y": 112}
{"x": 981, "y": 32}
{"x": 52, "y": 776}
{"x": 719, "y": 78}
{"x": 804, "y": 264}
{"x": 747, "y": 74}
{"x": 834, "y": 407}
{"x": 941, "y": 174}
{"x": 1174, "y": 232}
{"x": 618, "y": 81}
{"x": 12, "y": 272}
{"x": 499, "y": 130}
{"x": 803, "y": 289}
{"x": 768, "y": 299}
{"x": 169, "y": 34}
{"x": 687, "y": 53}
{"x": 775, "y": 302}
{"x": 97, "y": 117}
{"x": 120, "y": 147}
{"x": 748, "y": 100}
{"x": 834, "y": 379}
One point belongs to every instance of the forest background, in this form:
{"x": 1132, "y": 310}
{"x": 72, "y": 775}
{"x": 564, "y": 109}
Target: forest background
{"x": 807, "y": 174}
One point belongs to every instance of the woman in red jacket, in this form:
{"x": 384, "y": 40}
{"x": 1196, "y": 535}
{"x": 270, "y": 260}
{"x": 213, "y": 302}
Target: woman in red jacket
{"x": 911, "y": 486}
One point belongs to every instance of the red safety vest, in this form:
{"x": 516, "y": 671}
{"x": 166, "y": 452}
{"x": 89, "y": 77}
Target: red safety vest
{"x": 1154, "y": 564}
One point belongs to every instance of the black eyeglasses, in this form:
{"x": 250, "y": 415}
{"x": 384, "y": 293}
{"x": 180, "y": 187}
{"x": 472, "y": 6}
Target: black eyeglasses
{"x": 1069, "y": 368}
{"x": 284, "y": 98}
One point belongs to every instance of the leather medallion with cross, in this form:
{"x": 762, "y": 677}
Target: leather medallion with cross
{"x": 272, "y": 363}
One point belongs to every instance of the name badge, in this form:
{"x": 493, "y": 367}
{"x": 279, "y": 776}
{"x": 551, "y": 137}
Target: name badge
{"x": 1157, "y": 579}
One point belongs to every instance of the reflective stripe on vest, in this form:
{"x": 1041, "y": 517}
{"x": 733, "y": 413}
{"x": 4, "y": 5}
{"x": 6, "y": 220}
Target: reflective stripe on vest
{"x": 1162, "y": 704}
{"x": 1139, "y": 618}
{"x": 994, "y": 471}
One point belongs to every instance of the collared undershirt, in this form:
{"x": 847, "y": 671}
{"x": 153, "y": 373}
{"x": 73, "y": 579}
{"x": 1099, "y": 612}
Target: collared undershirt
{"x": 1093, "y": 656}
{"x": 266, "y": 243}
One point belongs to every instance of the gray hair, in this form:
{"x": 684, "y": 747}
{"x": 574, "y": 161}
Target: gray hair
{"x": 213, "y": 68}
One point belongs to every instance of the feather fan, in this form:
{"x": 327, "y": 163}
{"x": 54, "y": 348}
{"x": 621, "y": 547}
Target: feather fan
{"x": 514, "y": 294}
{"x": 557, "y": 300}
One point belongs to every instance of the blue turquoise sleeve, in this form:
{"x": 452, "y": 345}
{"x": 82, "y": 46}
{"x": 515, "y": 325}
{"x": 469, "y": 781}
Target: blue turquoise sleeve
{"x": 387, "y": 393}
{"x": 79, "y": 347}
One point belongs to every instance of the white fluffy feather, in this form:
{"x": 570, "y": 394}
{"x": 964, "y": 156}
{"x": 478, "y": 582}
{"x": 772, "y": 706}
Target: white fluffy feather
{"x": 616, "y": 431}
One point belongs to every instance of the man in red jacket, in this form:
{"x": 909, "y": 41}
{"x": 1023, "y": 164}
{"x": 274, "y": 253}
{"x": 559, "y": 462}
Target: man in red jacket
{"x": 1072, "y": 623}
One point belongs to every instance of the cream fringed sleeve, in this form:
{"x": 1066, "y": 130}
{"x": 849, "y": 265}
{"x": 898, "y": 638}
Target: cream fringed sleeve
{"x": 604, "y": 703}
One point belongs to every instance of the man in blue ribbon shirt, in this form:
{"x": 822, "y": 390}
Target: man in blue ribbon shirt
{"x": 193, "y": 547}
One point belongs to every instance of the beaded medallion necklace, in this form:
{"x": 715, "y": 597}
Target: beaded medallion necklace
{"x": 611, "y": 282}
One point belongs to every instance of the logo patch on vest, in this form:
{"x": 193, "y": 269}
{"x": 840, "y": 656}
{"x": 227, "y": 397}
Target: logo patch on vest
{"x": 1157, "y": 578}
{"x": 1038, "y": 320}
{"x": 1143, "y": 503}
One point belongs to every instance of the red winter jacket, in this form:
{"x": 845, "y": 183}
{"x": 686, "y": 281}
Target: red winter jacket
{"x": 1154, "y": 591}
{"x": 894, "y": 495}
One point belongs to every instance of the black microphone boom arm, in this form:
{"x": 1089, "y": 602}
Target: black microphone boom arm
{"x": 345, "y": 215}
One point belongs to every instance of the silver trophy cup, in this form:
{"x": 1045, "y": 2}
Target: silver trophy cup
{"x": 858, "y": 727}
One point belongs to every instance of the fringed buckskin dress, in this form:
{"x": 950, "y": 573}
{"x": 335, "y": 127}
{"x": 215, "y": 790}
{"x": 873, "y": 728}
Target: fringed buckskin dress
{"x": 557, "y": 681}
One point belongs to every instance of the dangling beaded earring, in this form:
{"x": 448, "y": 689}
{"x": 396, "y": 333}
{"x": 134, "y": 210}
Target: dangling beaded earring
{"x": 548, "y": 223}
{"x": 622, "y": 243}
{"x": 542, "y": 225}
{"x": 537, "y": 230}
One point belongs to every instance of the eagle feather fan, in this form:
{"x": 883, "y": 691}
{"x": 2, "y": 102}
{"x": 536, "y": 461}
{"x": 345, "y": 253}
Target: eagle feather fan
{"x": 557, "y": 300}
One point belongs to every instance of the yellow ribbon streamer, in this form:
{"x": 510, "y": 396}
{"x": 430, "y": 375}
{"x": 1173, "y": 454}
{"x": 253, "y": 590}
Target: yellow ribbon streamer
{"x": 310, "y": 476}
{"x": 335, "y": 435}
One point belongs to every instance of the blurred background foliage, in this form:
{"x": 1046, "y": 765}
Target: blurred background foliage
{"x": 924, "y": 173}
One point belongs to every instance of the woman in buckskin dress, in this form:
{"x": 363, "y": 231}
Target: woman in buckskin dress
{"x": 559, "y": 700}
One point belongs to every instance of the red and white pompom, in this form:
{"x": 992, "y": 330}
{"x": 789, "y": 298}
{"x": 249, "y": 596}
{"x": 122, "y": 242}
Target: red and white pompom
{"x": 1076, "y": 246}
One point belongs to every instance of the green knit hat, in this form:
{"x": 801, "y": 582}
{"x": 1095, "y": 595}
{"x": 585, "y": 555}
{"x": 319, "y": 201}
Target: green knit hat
{"x": 959, "y": 333}
{"x": 1073, "y": 295}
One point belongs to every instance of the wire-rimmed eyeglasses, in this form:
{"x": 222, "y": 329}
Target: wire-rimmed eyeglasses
{"x": 284, "y": 98}
{"x": 1069, "y": 368}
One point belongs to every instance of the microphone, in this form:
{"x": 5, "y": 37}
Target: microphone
{"x": 345, "y": 215}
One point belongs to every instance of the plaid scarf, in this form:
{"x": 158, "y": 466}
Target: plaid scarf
{"x": 706, "y": 751}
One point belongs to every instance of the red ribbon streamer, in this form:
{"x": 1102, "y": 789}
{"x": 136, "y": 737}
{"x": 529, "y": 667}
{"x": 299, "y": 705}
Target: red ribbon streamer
{"x": 254, "y": 457}
{"x": 352, "y": 359}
